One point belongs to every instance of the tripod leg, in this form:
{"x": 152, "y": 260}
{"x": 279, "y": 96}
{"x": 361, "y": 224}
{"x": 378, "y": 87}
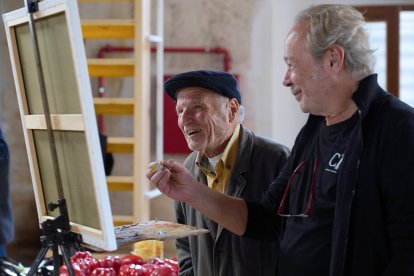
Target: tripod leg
{"x": 56, "y": 260}
{"x": 39, "y": 258}
{"x": 66, "y": 259}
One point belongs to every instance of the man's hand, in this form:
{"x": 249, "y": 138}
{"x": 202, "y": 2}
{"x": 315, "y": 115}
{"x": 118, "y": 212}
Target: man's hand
{"x": 172, "y": 179}
{"x": 176, "y": 182}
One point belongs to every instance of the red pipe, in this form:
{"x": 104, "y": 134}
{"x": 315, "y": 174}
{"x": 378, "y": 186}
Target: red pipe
{"x": 109, "y": 49}
{"x": 215, "y": 50}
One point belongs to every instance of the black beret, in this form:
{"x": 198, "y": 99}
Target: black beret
{"x": 221, "y": 82}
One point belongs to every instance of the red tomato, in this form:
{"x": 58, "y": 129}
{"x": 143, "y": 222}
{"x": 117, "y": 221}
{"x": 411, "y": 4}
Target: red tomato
{"x": 110, "y": 262}
{"x": 103, "y": 271}
{"x": 149, "y": 268}
{"x": 132, "y": 270}
{"x": 87, "y": 265}
{"x": 63, "y": 270}
{"x": 81, "y": 255}
{"x": 164, "y": 270}
{"x": 125, "y": 269}
{"x": 93, "y": 263}
{"x": 157, "y": 261}
{"x": 132, "y": 259}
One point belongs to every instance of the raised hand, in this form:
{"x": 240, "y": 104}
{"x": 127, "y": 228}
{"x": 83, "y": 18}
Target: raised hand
{"x": 172, "y": 179}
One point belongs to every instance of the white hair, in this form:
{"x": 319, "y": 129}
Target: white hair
{"x": 240, "y": 118}
{"x": 344, "y": 25}
{"x": 240, "y": 113}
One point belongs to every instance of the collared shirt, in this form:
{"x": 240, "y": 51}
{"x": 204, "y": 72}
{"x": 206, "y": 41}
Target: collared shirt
{"x": 218, "y": 177}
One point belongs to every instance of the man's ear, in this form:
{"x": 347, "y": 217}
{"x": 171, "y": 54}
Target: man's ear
{"x": 335, "y": 56}
{"x": 234, "y": 109}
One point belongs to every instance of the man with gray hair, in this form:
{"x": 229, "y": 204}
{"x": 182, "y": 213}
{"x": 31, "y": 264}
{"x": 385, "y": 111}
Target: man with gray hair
{"x": 343, "y": 205}
{"x": 229, "y": 158}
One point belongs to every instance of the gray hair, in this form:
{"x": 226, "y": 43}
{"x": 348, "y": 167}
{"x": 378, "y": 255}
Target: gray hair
{"x": 240, "y": 118}
{"x": 343, "y": 25}
{"x": 224, "y": 104}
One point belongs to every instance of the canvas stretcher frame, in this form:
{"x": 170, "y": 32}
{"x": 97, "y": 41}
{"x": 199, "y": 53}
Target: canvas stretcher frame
{"x": 72, "y": 116}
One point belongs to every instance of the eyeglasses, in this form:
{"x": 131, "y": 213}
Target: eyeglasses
{"x": 307, "y": 211}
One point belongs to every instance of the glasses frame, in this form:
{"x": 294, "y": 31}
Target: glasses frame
{"x": 308, "y": 209}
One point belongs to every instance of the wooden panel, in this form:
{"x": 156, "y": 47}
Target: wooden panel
{"x": 106, "y": 29}
{"x": 142, "y": 122}
{"x": 120, "y": 144}
{"x": 73, "y": 122}
{"x": 120, "y": 183}
{"x": 114, "y": 106}
{"x": 57, "y": 78}
{"x": 111, "y": 67}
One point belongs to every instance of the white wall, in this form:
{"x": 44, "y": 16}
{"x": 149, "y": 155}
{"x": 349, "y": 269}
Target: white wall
{"x": 287, "y": 118}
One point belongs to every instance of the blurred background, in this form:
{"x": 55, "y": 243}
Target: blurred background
{"x": 245, "y": 38}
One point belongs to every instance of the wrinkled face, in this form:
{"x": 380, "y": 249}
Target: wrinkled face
{"x": 205, "y": 118}
{"x": 304, "y": 75}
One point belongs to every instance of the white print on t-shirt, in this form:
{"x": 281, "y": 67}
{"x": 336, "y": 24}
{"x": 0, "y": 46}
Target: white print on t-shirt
{"x": 335, "y": 162}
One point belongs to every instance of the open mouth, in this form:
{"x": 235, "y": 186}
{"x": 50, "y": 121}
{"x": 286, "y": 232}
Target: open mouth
{"x": 192, "y": 132}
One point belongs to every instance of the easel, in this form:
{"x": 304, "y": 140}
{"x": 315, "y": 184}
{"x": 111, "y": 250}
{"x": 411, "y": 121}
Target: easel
{"x": 56, "y": 235}
{"x": 56, "y": 232}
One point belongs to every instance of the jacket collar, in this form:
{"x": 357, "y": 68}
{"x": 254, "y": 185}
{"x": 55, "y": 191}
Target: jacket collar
{"x": 368, "y": 91}
{"x": 243, "y": 163}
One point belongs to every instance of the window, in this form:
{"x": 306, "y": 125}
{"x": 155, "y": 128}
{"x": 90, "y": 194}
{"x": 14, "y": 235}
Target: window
{"x": 391, "y": 30}
{"x": 407, "y": 57}
{"x": 378, "y": 41}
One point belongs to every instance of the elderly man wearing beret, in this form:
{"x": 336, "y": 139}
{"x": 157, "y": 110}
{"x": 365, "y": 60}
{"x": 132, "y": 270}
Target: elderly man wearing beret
{"x": 228, "y": 158}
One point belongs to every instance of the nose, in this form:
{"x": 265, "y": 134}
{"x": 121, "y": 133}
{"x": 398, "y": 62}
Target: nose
{"x": 184, "y": 117}
{"x": 286, "y": 80}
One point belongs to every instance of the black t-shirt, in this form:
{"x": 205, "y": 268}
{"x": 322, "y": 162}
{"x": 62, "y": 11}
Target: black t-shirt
{"x": 306, "y": 241}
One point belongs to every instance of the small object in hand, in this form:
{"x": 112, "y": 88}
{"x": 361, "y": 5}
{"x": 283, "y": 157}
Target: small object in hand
{"x": 156, "y": 167}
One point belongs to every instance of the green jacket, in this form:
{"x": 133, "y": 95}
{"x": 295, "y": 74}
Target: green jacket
{"x": 259, "y": 161}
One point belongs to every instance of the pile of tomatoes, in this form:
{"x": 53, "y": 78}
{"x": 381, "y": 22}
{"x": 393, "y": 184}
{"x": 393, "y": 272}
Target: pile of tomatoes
{"x": 84, "y": 264}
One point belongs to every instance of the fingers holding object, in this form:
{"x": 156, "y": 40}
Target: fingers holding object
{"x": 157, "y": 173}
{"x": 155, "y": 167}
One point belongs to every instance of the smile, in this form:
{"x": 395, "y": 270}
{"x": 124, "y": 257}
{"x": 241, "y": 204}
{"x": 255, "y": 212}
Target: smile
{"x": 192, "y": 132}
{"x": 295, "y": 92}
